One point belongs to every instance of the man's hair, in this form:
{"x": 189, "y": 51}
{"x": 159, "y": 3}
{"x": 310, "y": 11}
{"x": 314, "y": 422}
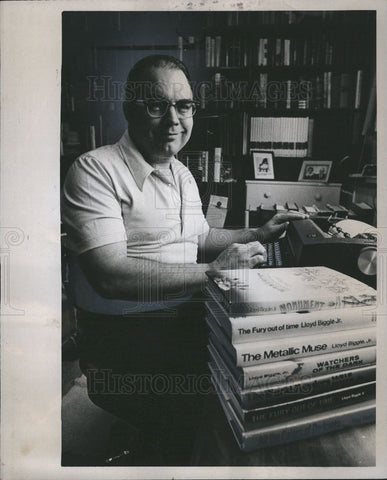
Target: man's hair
{"x": 142, "y": 67}
{"x": 138, "y": 84}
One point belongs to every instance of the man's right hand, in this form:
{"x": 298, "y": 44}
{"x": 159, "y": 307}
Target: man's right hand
{"x": 240, "y": 255}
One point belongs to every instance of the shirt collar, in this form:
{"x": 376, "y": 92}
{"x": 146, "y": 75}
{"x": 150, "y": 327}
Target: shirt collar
{"x": 138, "y": 166}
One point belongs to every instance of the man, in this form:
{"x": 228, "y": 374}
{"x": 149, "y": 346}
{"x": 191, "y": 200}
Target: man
{"x": 134, "y": 220}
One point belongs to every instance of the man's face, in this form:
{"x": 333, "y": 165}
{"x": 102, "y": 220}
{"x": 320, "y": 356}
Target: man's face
{"x": 160, "y": 138}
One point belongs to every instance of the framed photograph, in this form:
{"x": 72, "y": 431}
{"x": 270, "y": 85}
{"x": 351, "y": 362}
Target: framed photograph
{"x": 315, "y": 171}
{"x": 263, "y": 165}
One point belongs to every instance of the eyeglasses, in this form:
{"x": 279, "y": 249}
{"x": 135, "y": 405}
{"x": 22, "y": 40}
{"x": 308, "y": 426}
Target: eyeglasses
{"x": 158, "y": 108}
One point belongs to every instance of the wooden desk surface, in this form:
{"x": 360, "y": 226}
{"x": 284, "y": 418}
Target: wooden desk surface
{"x": 216, "y": 446}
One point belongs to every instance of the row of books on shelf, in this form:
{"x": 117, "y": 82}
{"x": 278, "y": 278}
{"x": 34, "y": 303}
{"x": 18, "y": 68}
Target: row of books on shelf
{"x": 292, "y": 352}
{"x": 254, "y": 18}
{"x": 235, "y": 51}
{"x": 207, "y": 166}
{"x": 236, "y": 18}
{"x": 285, "y": 136}
{"x": 333, "y": 90}
{"x": 326, "y": 90}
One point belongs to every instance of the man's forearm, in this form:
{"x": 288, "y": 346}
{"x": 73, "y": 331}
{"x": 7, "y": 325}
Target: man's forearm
{"x": 115, "y": 275}
{"x": 146, "y": 280}
{"x": 220, "y": 238}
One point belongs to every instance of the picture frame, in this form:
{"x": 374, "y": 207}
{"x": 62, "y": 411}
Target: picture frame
{"x": 263, "y": 164}
{"x": 315, "y": 171}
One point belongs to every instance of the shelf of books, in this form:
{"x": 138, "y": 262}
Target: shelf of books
{"x": 287, "y": 89}
{"x": 292, "y": 352}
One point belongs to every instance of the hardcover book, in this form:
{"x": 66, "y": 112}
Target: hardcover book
{"x": 300, "y": 428}
{"x": 297, "y": 368}
{"x": 275, "y": 350}
{"x": 244, "y": 329}
{"x": 263, "y": 416}
{"x": 289, "y": 390}
{"x": 284, "y": 290}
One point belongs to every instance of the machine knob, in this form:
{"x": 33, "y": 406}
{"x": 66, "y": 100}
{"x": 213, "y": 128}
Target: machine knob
{"x": 367, "y": 260}
{"x": 318, "y": 196}
{"x": 267, "y": 194}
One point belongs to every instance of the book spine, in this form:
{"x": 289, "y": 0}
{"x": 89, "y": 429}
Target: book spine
{"x": 287, "y": 52}
{"x": 290, "y": 391}
{"x": 237, "y": 290}
{"x": 311, "y": 405}
{"x": 212, "y": 52}
{"x": 262, "y": 327}
{"x": 283, "y": 349}
{"x": 259, "y": 417}
{"x": 202, "y": 96}
{"x": 308, "y": 366}
{"x": 309, "y": 152}
{"x": 297, "y": 368}
{"x": 208, "y": 51}
{"x": 218, "y": 42}
{"x": 270, "y": 307}
{"x": 310, "y": 426}
{"x": 265, "y": 42}
{"x": 180, "y": 47}
{"x": 259, "y": 57}
{"x": 217, "y": 163}
{"x": 92, "y": 137}
{"x": 205, "y": 165}
{"x": 249, "y": 329}
{"x": 359, "y": 78}
{"x": 245, "y": 133}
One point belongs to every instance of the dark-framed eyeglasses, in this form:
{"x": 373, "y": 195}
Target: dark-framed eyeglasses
{"x": 158, "y": 108}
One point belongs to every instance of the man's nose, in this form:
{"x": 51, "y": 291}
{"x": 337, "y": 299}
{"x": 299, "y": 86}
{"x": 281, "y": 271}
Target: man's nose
{"x": 171, "y": 115}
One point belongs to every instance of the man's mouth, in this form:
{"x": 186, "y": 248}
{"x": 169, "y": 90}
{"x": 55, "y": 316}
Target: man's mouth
{"x": 169, "y": 135}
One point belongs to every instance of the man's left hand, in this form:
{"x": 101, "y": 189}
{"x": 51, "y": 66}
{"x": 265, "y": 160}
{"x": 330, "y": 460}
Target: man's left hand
{"x": 276, "y": 226}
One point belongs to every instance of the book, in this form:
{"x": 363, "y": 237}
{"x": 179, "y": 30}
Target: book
{"x": 310, "y": 137}
{"x": 275, "y": 350}
{"x": 262, "y": 416}
{"x": 297, "y": 368}
{"x": 204, "y": 155}
{"x": 291, "y": 389}
{"x": 359, "y": 79}
{"x": 244, "y": 329}
{"x": 300, "y": 428}
{"x": 180, "y": 47}
{"x": 218, "y": 44}
{"x": 284, "y": 290}
{"x": 208, "y": 51}
{"x": 193, "y": 161}
{"x": 217, "y": 163}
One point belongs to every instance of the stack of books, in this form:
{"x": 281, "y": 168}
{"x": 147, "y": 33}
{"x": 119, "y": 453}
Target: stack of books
{"x": 293, "y": 352}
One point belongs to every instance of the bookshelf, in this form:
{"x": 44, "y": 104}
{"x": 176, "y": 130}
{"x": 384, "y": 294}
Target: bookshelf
{"x": 317, "y": 65}
{"x": 314, "y": 65}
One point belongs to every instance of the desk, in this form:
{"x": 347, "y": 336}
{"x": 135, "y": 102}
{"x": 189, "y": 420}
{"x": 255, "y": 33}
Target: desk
{"x": 216, "y": 446}
{"x": 267, "y": 194}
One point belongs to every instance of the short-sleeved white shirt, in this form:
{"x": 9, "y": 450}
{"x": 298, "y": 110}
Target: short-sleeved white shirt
{"x": 112, "y": 194}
